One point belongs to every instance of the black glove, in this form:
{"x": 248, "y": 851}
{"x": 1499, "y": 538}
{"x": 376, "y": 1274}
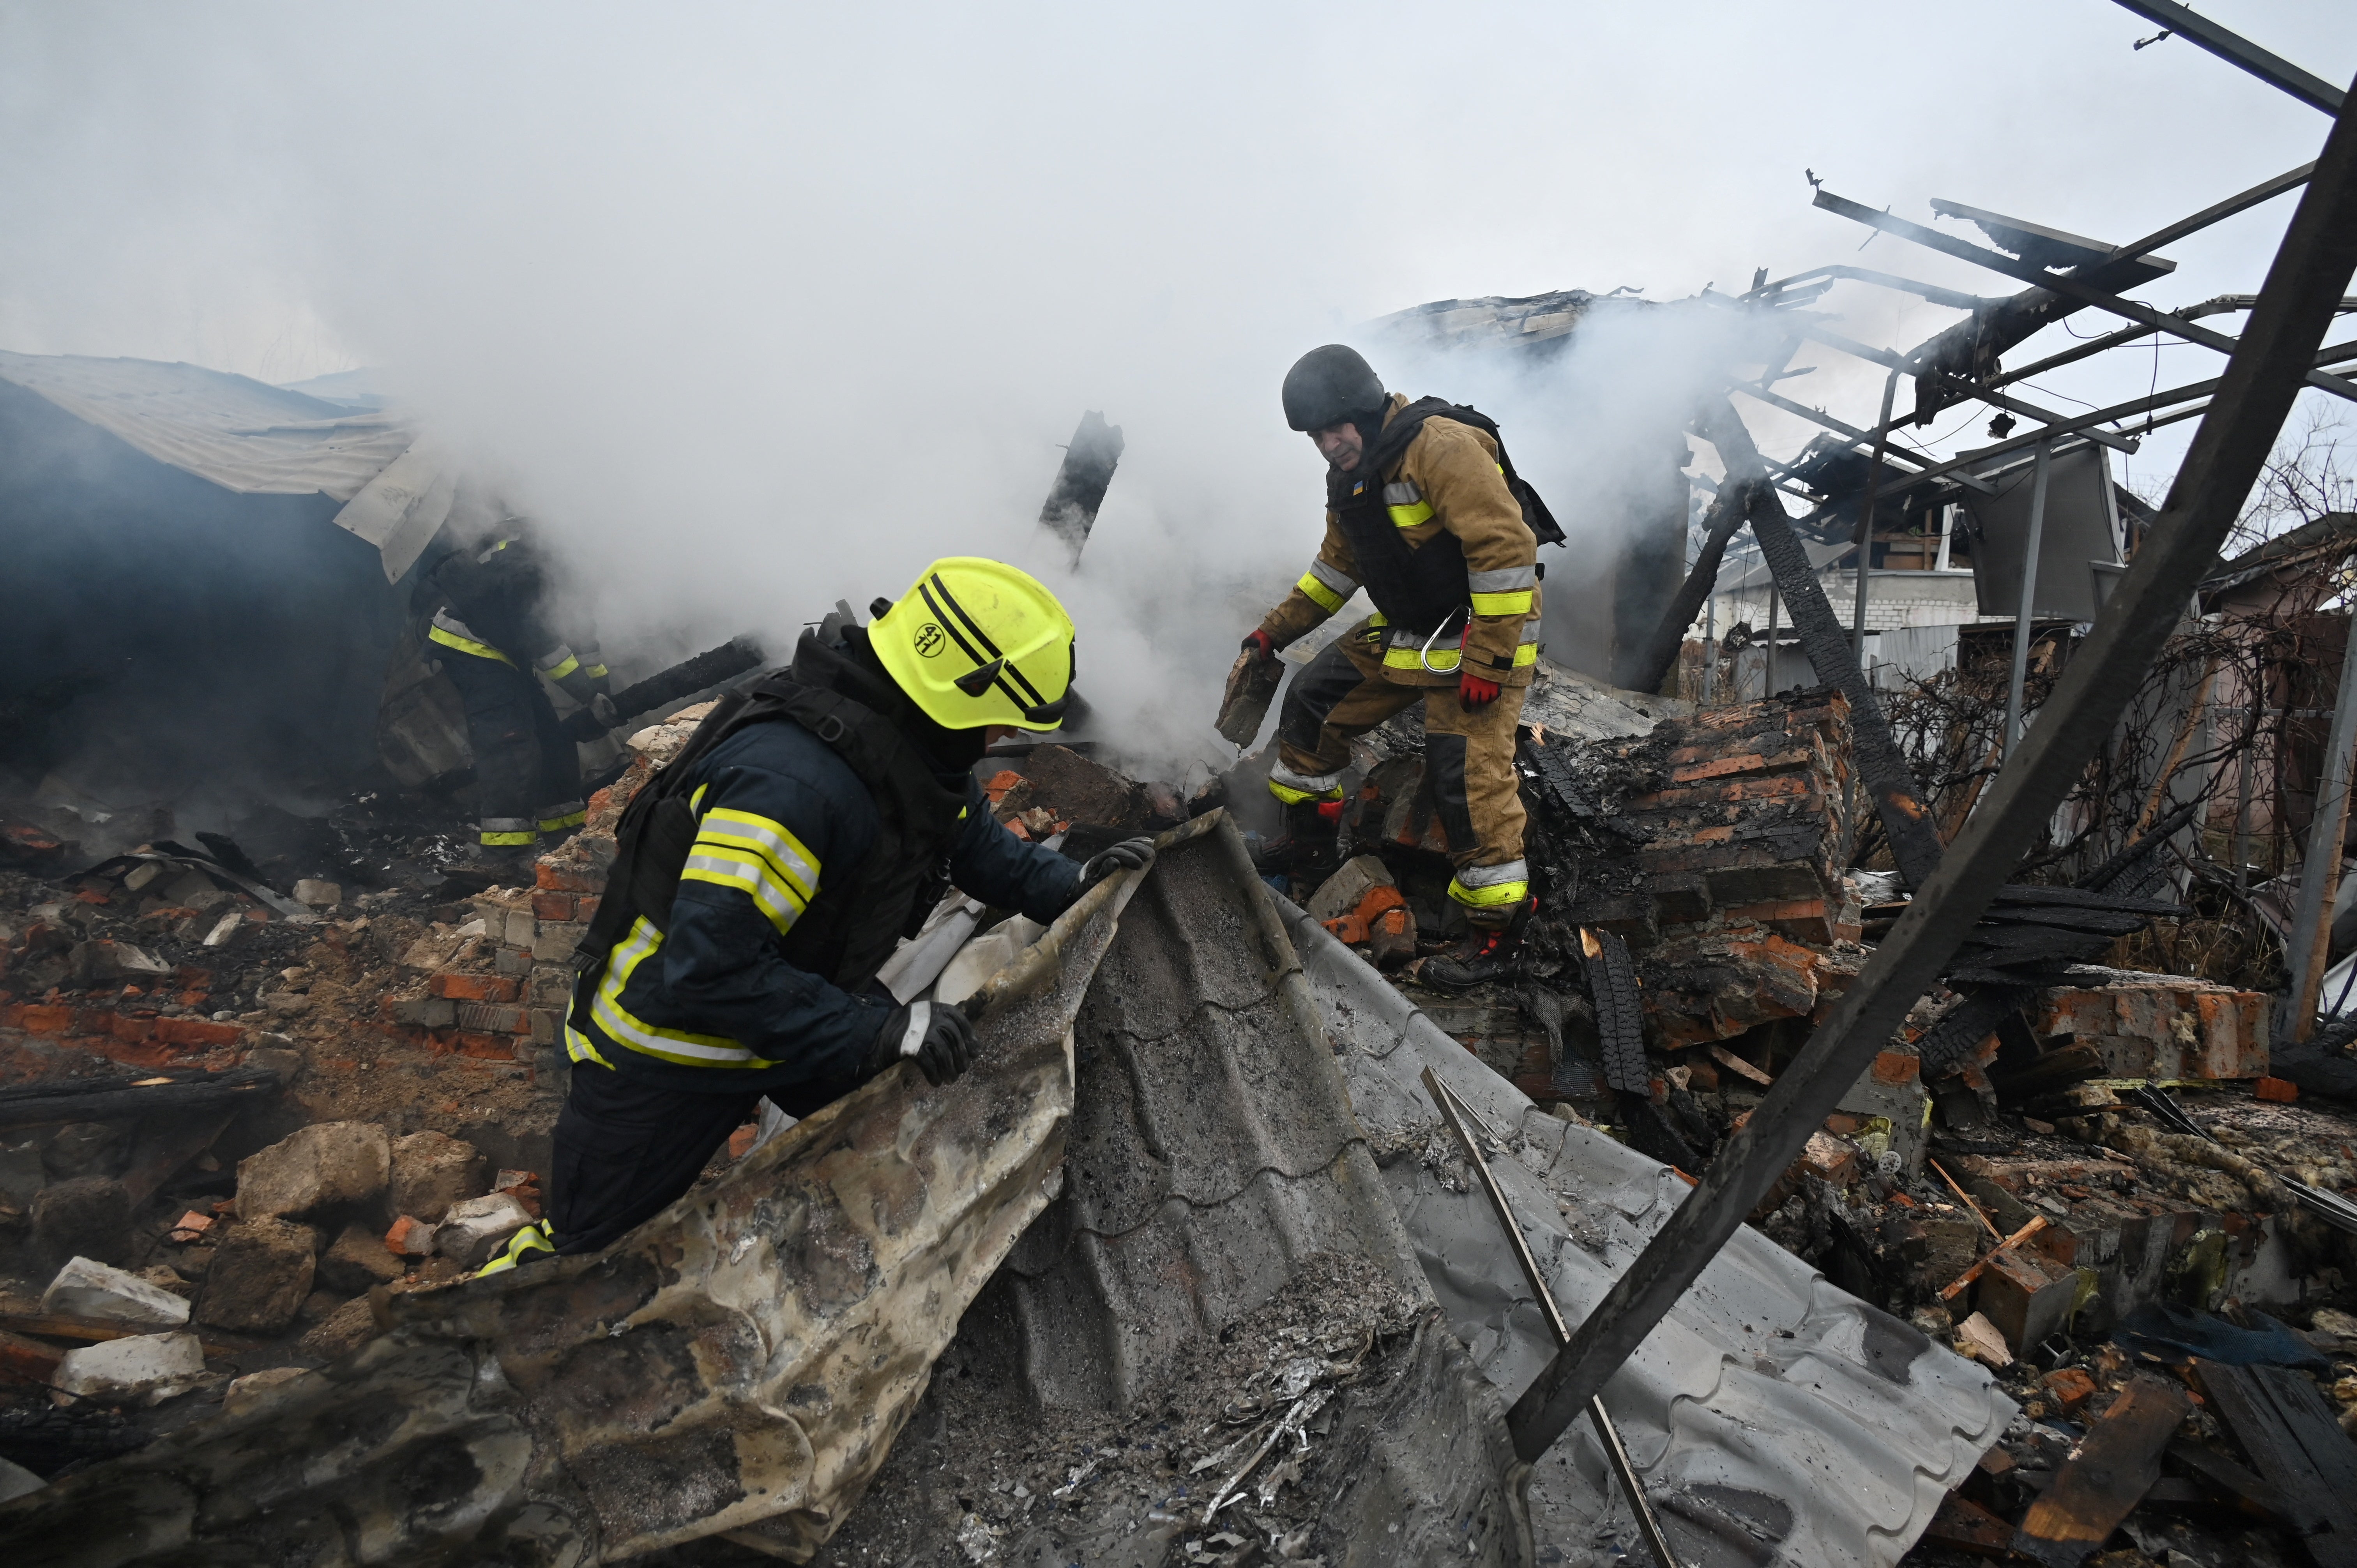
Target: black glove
{"x": 935, "y": 1033}
{"x": 1129, "y": 854}
{"x": 587, "y": 723}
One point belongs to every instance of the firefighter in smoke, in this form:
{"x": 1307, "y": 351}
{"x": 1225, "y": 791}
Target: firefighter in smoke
{"x": 1425, "y": 512}
{"x": 763, "y": 877}
{"x": 499, "y": 629}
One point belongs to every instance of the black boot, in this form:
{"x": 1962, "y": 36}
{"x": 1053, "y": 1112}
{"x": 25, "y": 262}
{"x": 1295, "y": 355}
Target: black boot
{"x": 1488, "y": 953}
{"x": 1309, "y": 851}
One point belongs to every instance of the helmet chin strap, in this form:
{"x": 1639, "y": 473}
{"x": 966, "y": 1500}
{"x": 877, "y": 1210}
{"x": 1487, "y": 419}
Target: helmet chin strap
{"x": 951, "y": 750}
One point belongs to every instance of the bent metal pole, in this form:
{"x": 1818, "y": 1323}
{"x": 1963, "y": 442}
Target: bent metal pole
{"x": 2026, "y": 620}
{"x": 2304, "y": 284}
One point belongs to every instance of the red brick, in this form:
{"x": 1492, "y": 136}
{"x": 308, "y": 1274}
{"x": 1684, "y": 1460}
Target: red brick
{"x": 409, "y": 1238}
{"x": 552, "y": 906}
{"x": 2283, "y": 1091}
{"x": 1830, "y": 1158}
{"x": 1720, "y": 767}
{"x": 566, "y": 879}
{"x": 26, "y": 1363}
{"x": 586, "y": 907}
{"x": 1897, "y": 1066}
{"x": 2069, "y": 1385}
{"x": 741, "y": 1142}
{"x": 37, "y": 1018}
{"x": 474, "y": 987}
{"x": 1003, "y": 780}
{"x": 488, "y": 1047}
{"x": 91, "y": 897}
{"x": 197, "y": 1032}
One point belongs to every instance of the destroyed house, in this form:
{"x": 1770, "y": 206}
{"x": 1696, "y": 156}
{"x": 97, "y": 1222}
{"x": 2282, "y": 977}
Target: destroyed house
{"x": 206, "y": 575}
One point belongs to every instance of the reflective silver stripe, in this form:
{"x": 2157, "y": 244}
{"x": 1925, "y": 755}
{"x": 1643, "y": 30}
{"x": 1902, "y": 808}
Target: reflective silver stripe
{"x": 912, "y": 1039}
{"x": 508, "y": 824}
{"x": 1307, "y": 783}
{"x": 1402, "y": 492}
{"x": 1490, "y": 876}
{"x": 454, "y": 625}
{"x": 1504, "y": 580}
{"x": 1332, "y": 578}
{"x": 1530, "y": 626}
{"x": 553, "y": 658}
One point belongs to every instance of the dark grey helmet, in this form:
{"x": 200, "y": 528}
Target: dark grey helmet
{"x": 1332, "y": 385}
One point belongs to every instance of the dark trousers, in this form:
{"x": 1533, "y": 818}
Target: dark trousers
{"x": 526, "y": 771}
{"x": 626, "y": 1149}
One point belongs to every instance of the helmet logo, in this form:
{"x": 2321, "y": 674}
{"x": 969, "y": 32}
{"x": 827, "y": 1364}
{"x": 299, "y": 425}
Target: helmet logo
{"x": 930, "y": 641}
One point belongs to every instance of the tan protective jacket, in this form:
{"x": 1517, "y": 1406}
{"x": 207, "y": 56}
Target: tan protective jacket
{"x": 1447, "y": 480}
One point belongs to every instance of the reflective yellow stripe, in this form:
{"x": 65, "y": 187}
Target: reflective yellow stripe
{"x": 1442, "y": 660}
{"x": 1490, "y": 896}
{"x": 743, "y": 829}
{"x": 503, "y": 840}
{"x": 1323, "y": 597}
{"x": 574, "y": 820}
{"x": 533, "y": 1238}
{"x": 595, "y": 671}
{"x": 1525, "y": 653}
{"x": 578, "y": 1046}
{"x": 1410, "y": 516}
{"x": 467, "y": 645}
{"x": 562, "y": 671}
{"x": 1293, "y": 797}
{"x": 1515, "y": 604}
{"x": 636, "y": 1034}
{"x": 758, "y": 858}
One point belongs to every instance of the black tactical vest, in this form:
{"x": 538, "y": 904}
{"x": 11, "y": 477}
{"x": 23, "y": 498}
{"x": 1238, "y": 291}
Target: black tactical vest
{"x": 861, "y": 911}
{"x": 1418, "y": 588}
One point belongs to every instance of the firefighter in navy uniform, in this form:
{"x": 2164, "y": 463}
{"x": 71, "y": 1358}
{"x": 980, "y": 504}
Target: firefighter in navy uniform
{"x": 498, "y": 630}
{"x": 763, "y": 877}
{"x": 1425, "y": 511}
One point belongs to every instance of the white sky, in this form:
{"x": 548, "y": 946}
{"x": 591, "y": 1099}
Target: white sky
{"x": 768, "y": 304}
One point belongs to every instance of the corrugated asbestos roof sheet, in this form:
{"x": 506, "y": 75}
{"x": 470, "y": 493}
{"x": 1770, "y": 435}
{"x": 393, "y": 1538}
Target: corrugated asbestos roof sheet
{"x": 1776, "y": 1419}
{"x": 256, "y": 439}
{"x": 1203, "y": 1160}
{"x": 1211, "y": 1155}
{"x": 238, "y": 433}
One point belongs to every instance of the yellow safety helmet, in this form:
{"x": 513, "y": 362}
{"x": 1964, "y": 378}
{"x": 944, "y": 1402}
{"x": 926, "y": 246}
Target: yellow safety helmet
{"x": 977, "y": 642}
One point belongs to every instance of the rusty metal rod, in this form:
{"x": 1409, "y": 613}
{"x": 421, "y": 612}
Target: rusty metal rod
{"x": 1608, "y": 1436}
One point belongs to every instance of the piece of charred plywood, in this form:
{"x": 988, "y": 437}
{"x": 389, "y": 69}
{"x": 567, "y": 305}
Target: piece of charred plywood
{"x": 1963, "y": 1525}
{"x": 2284, "y": 1425}
{"x": 2105, "y": 1476}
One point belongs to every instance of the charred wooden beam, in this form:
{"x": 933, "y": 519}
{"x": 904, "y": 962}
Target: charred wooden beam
{"x": 1874, "y": 751}
{"x": 103, "y": 1100}
{"x": 1646, "y": 667}
{"x": 1080, "y": 487}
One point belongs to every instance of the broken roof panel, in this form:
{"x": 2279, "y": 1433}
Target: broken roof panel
{"x": 1770, "y": 1413}
{"x": 256, "y": 439}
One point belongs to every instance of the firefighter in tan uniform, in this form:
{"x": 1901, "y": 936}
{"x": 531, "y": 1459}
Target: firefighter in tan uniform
{"x": 1423, "y": 510}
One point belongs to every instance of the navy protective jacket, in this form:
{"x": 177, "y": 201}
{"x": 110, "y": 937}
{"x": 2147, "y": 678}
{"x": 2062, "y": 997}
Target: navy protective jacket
{"x": 713, "y": 1003}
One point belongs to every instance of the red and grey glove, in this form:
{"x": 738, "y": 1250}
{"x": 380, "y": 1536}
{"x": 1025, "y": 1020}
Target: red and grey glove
{"x": 1259, "y": 642}
{"x": 1472, "y": 689}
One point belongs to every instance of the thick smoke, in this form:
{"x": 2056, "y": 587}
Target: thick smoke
{"x": 760, "y": 308}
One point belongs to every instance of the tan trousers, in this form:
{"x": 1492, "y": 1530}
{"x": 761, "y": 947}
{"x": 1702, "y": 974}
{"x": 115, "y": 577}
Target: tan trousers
{"x": 1468, "y": 757}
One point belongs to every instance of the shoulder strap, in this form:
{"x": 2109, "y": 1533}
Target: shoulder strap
{"x": 1408, "y": 424}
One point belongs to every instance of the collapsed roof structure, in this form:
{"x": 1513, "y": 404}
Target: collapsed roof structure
{"x": 183, "y": 543}
{"x": 1239, "y": 1248}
